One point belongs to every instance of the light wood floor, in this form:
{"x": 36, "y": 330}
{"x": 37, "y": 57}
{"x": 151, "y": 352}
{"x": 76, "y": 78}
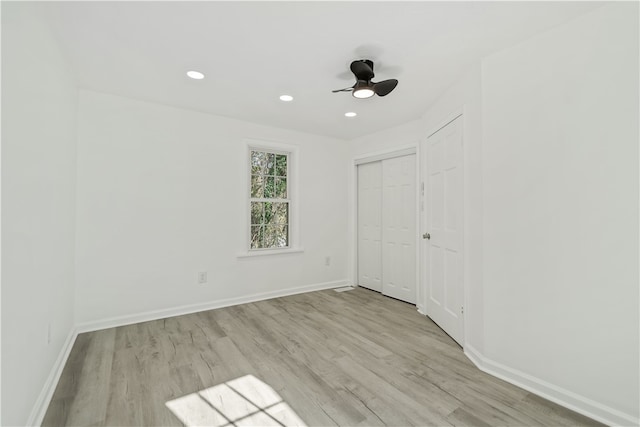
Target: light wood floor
{"x": 354, "y": 358}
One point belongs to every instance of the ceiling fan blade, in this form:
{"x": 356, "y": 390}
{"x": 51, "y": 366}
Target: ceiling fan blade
{"x": 362, "y": 69}
{"x": 346, "y": 89}
{"x": 384, "y": 87}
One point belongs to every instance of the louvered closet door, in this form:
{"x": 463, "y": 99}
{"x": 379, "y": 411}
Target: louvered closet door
{"x": 369, "y": 226}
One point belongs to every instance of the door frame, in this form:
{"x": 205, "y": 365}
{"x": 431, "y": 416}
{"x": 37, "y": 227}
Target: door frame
{"x": 459, "y": 112}
{"x": 375, "y": 156}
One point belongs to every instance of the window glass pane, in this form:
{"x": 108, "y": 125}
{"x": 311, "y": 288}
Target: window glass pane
{"x": 271, "y": 164}
{"x": 282, "y": 213}
{"x": 281, "y": 165}
{"x": 262, "y": 244}
{"x": 281, "y": 236}
{"x": 258, "y": 162}
{"x": 257, "y": 212}
{"x": 268, "y": 212}
{"x": 281, "y": 188}
{"x": 257, "y": 232}
{"x": 269, "y": 187}
{"x": 270, "y": 236}
{"x": 257, "y": 186}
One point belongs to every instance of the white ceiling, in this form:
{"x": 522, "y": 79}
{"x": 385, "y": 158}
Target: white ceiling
{"x": 252, "y": 52}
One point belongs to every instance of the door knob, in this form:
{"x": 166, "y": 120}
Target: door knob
{"x": 426, "y": 236}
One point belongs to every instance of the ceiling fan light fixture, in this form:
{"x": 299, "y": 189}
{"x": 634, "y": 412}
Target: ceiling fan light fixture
{"x": 363, "y": 89}
{"x": 363, "y": 93}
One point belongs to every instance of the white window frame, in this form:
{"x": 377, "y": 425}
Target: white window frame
{"x": 293, "y": 162}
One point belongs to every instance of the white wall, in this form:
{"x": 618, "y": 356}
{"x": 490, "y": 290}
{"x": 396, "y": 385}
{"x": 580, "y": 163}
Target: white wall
{"x": 39, "y": 103}
{"x": 408, "y": 134}
{"x": 560, "y": 179}
{"x": 161, "y": 197}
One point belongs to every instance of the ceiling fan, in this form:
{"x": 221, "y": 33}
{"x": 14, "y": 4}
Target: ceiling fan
{"x": 364, "y": 87}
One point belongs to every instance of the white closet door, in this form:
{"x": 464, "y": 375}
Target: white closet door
{"x": 369, "y": 225}
{"x": 399, "y": 228}
{"x": 443, "y": 219}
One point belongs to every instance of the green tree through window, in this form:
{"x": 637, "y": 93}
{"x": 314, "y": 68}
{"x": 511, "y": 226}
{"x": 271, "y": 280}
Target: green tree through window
{"x": 269, "y": 200}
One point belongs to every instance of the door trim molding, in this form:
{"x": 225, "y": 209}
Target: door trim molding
{"x": 384, "y": 155}
{"x": 448, "y": 119}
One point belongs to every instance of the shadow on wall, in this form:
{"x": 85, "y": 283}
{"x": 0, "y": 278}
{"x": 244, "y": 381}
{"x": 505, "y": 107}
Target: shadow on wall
{"x": 242, "y": 401}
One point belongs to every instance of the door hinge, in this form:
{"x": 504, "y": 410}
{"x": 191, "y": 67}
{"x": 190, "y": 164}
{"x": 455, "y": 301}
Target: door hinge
{"x": 462, "y": 309}
{"x": 422, "y": 188}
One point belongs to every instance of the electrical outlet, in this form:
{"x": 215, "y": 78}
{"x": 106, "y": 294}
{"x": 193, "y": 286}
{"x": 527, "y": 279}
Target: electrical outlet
{"x": 202, "y": 277}
{"x": 327, "y": 261}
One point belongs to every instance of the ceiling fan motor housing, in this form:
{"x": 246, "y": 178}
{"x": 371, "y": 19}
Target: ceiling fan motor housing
{"x": 362, "y": 69}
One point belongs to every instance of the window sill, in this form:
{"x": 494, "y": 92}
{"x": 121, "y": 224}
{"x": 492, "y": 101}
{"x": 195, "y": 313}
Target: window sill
{"x": 268, "y": 252}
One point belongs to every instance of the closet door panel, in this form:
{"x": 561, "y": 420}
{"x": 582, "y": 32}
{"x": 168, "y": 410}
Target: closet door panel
{"x": 370, "y": 226}
{"x": 399, "y": 228}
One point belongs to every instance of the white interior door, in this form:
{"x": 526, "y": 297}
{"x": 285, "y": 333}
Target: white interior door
{"x": 443, "y": 215}
{"x": 369, "y": 225}
{"x": 399, "y": 228}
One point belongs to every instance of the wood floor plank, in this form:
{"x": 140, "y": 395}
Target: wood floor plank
{"x": 273, "y": 364}
{"x": 123, "y": 406}
{"x": 461, "y": 417}
{"x": 324, "y": 358}
{"x": 89, "y": 406}
{"x": 391, "y": 397}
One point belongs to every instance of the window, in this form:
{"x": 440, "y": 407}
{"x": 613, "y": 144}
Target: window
{"x": 269, "y": 199}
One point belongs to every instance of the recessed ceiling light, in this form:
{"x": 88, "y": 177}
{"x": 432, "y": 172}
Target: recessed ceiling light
{"x": 350, "y": 114}
{"x": 286, "y": 98}
{"x": 197, "y": 75}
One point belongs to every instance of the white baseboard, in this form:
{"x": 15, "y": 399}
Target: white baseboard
{"x": 194, "y": 308}
{"x": 40, "y": 408}
{"x": 566, "y": 398}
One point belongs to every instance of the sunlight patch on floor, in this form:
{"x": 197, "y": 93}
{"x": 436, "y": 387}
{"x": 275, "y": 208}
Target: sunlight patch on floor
{"x": 244, "y": 401}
